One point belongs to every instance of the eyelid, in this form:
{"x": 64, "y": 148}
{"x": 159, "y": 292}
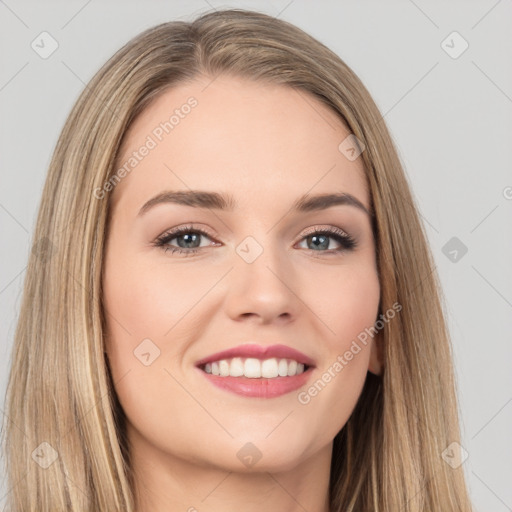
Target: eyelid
{"x": 331, "y": 229}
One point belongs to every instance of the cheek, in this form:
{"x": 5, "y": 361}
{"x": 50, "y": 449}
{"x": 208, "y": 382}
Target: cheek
{"x": 149, "y": 301}
{"x": 141, "y": 306}
{"x": 348, "y": 302}
{"x": 150, "y": 310}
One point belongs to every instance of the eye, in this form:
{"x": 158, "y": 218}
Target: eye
{"x": 189, "y": 239}
{"x": 319, "y": 238}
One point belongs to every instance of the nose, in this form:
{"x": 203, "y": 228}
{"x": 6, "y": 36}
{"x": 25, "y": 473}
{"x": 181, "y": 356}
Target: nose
{"x": 265, "y": 289}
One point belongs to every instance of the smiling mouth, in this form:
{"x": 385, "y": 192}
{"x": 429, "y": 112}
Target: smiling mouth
{"x": 254, "y": 368}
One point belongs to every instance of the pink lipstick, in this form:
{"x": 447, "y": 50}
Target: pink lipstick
{"x": 256, "y": 371}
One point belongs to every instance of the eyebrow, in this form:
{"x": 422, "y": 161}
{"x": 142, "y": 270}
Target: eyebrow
{"x": 226, "y": 202}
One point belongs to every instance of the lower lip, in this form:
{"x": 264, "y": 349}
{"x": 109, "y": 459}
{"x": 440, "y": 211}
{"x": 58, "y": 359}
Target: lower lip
{"x": 260, "y": 388}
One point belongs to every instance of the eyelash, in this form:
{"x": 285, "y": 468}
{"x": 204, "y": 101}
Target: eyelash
{"x": 347, "y": 242}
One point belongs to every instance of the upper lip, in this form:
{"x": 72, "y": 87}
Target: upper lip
{"x": 259, "y": 352}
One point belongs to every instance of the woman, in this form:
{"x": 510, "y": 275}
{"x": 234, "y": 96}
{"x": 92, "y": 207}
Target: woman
{"x": 183, "y": 343}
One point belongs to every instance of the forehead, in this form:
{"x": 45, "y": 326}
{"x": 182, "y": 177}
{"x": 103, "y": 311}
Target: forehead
{"x": 257, "y": 140}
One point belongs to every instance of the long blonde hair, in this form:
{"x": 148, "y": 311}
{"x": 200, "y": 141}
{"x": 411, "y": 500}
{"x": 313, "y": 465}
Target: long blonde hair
{"x": 388, "y": 457}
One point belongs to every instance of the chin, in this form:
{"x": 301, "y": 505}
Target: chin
{"x": 277, "y": 453}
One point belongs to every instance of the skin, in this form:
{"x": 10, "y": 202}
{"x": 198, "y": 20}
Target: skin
{"x": 266, "y": 145}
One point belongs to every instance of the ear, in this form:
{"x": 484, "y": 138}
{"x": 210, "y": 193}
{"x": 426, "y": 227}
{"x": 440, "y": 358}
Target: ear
{"x": 376, "y": 363}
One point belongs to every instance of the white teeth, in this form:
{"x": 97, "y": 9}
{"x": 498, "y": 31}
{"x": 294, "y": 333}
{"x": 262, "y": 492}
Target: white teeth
{"x": 236, "y": 368}
{"x": 282, "y": 369}
{"x": 224, "y": 368}
{"x": 254, "y": 368}
{"x": 269, "y": 368}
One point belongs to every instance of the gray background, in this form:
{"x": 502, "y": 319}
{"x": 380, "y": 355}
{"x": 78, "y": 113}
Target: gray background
{"x": 450, "y": 117}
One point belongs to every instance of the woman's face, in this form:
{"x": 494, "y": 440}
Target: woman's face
{"x": 259, "y": 276}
